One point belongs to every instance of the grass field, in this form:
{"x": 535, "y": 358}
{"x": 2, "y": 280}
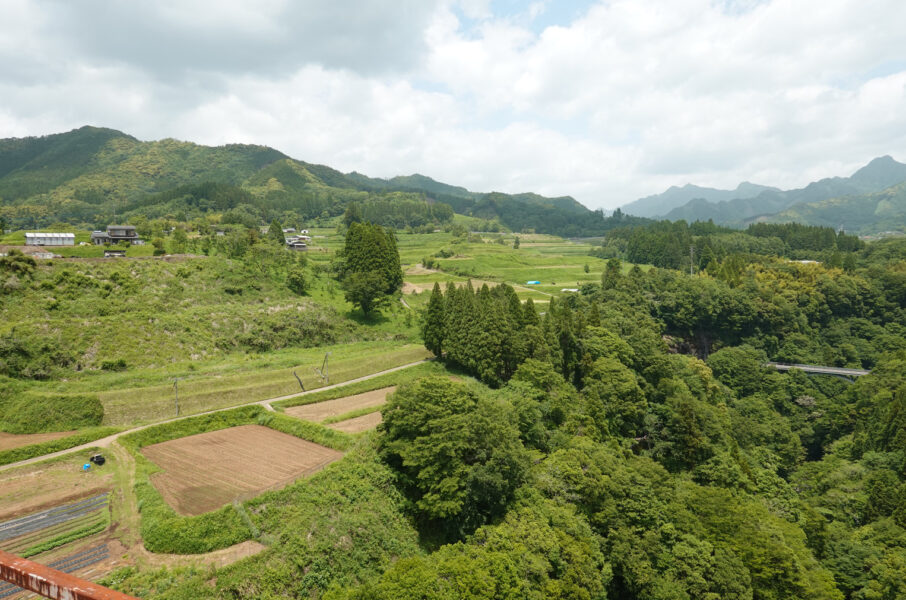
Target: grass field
{"x": 205, "y": 471}
{"x": 200, "y": 392}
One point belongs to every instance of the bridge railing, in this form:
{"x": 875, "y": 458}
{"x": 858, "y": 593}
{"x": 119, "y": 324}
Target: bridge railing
{"x": 51, "y": 583}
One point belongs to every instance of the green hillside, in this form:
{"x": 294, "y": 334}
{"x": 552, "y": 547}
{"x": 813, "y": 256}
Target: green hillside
{"x": 89, "y": 176}
{"x": 880, "y": 211}
{"x": 831, "y": 201}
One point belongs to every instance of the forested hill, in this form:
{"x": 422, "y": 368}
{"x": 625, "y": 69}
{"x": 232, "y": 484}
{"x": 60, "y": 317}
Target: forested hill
{"x": 868, "y": 201}
{"x": 85, "y": 176}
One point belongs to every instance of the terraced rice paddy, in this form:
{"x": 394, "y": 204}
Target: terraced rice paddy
{"x": 205, "y": 471}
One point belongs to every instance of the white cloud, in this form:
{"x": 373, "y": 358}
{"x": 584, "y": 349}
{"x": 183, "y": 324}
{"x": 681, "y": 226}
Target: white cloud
{"x": 625, "y": 100}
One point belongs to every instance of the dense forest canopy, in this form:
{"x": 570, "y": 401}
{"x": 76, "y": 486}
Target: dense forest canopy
{"x": 660, "y": 474}
{"x": 704, "y": 245}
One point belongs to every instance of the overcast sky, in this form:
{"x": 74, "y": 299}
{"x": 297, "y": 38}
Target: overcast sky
{"x": 605, "y": 101}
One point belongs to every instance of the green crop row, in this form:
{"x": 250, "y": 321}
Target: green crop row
{"x": 90, "y": 529}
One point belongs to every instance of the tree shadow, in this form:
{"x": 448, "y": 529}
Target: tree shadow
{"x": 375, "y": 317}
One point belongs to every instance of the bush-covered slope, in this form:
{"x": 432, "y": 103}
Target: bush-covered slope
{"x": 89, "y": 174}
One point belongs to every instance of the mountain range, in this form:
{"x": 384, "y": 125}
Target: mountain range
{"x": 90, "y": 174}
{"x": 871, "y": 199}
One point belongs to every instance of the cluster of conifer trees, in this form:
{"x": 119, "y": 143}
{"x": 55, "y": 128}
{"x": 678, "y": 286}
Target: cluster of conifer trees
{"x": 488, "y": 332}
{"x": 370, "y": 268}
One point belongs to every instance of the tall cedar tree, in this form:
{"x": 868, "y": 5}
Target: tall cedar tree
{"x": 275, "y": 232}
{"x": 372, "y": 249}
{"x": 434, "y": 322}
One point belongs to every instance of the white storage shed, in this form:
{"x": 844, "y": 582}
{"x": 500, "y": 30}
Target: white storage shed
{"x": 50, "y": 239}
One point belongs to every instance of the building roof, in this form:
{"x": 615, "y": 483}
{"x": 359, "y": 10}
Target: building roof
{"x": 51, "y": 235}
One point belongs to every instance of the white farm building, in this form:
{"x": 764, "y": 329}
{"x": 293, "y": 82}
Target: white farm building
{"x": 49, "y": 239}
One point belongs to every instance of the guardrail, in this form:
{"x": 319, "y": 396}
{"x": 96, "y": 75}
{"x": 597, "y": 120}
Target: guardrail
{"x": 50, "y": 583}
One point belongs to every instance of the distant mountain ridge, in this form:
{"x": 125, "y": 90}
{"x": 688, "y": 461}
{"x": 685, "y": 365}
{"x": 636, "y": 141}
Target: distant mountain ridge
{"x": 834, "y": 201}
{"x": 659, "y": 205}
{"x": 86, "y": 174}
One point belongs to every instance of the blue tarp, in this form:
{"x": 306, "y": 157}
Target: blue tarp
{"x": 532, "y": 282}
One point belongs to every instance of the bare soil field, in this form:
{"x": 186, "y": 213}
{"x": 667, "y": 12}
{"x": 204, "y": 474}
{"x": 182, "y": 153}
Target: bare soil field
{"x": 333, "y": 408}
{"x": 358, "y": 424}
{"x": 420, "y": 269}
{"x": 36, "y": 487}
{"x": 9, "y": 441}
{"x": 205, "y": 471}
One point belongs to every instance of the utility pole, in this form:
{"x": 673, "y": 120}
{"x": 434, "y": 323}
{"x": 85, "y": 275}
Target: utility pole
{"x": 176, "y": 391}
{"x": 322, "y": 372}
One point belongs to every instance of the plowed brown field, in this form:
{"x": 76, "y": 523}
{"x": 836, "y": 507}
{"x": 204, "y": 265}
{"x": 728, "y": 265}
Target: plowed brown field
{"x": 12, "y": 440}
{"x": 333, "y": 408}
{"x": 358, "y": 424}
{"x": 205, "y": 471}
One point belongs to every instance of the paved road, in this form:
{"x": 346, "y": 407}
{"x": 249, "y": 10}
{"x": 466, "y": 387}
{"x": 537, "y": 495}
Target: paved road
{"x": 820, "y": 370}
{"x": 105, "y": 442}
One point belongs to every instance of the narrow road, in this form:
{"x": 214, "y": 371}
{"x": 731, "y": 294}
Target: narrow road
{"x": 818, "y": 369}
{"x": 105, "y": 442}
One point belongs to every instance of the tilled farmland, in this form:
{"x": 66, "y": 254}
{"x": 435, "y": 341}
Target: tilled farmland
{"x": 205, "y": 471}
{"x": 358, "y": 424}
{"x": 333, "y": 408}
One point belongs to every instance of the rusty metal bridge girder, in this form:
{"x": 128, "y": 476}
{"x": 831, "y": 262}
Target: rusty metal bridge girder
{"x": 51, "y": 583}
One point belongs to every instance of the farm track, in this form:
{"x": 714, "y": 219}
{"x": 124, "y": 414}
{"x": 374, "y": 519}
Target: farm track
{"x": 107, "y": 441}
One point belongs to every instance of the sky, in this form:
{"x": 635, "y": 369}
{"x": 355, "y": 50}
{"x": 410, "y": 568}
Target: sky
{"x": 605, "y": 101}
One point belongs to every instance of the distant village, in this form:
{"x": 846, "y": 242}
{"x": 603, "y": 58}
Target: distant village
{"x": 40, "y": 245}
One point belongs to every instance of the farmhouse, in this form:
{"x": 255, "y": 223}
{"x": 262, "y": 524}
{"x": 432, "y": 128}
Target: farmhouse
{"x": 116, "y": 234}
{"x": 50, "y": 239}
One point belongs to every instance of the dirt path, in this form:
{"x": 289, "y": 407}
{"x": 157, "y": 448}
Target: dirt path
{"x": 334, "y": 408}
{"x": 107, "y": 441}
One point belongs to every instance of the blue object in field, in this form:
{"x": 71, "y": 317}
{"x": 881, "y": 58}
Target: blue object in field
{"x": 86, "y": 466}
{"x": 532, "y": 282}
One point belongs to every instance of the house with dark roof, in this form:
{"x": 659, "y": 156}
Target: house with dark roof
{"x": 116, "y": 234}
